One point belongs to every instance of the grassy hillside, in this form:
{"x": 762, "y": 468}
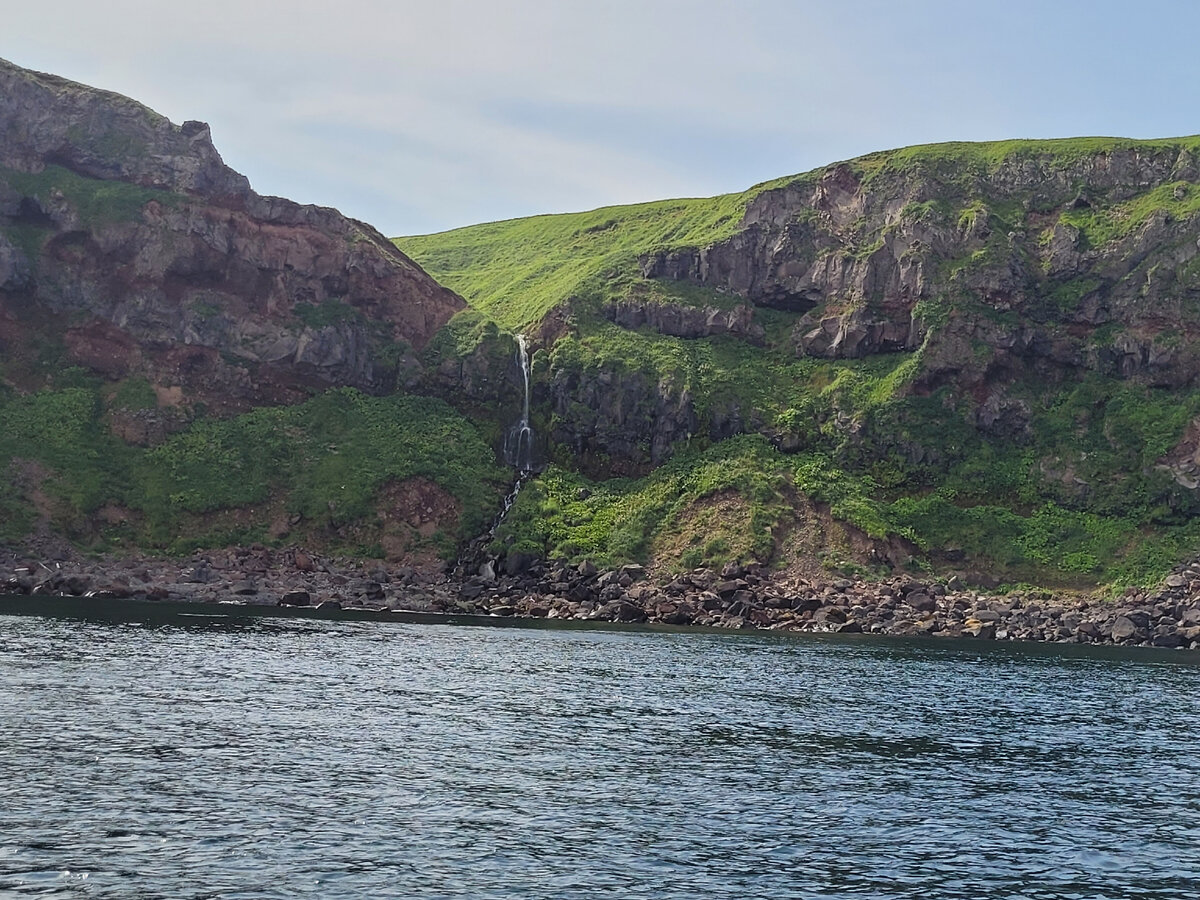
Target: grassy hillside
{"x": 322, "y": 468}
{"x": 1078, "y": 497}
{"x": 517, "y": 271}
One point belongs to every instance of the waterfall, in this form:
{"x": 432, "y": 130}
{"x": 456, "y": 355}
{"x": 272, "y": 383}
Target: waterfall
{"x": 518, "y": 442}
{"x": 518, "y": 452}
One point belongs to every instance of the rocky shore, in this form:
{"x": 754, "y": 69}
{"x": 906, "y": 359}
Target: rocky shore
{"x": 736, "y": 597}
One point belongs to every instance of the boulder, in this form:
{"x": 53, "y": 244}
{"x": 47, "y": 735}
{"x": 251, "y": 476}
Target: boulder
{"x": 1124, "y": 630}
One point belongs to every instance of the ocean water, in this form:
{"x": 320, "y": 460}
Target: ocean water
{"x": 149, "y": 753}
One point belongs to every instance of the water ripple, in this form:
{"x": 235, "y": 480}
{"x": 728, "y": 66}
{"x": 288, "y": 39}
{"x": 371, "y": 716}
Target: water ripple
{"x": 303, "y": 758}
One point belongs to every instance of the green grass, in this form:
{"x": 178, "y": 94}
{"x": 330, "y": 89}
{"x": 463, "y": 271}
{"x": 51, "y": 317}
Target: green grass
{"x": 29, "y": 239}
{"x": 517, "y": 271}
{"x": 326, "y": 459}
{"x": 98, "y": 202}
{"x": 1100, "y": 226}
{"x": 973, "y": 159}
{"x": 326, "y": 313}
{"x": 1076, "y": 497}
{"x": 134, "y": 393}
{"x": 61, "y": 430}
{"x": 725, "y": 373}
{"x": 563, "y": 515}
{"x": 329, "y": 456}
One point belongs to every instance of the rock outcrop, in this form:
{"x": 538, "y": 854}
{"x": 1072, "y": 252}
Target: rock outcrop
{"x": 128, "y": 238}
{"x": 1026, "y": 254}
{"x": 686, "y": 321}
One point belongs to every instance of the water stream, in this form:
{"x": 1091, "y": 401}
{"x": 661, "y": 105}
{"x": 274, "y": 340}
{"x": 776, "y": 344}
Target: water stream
{"x": 518, "y": 453}
{"x": 518, "y": 443}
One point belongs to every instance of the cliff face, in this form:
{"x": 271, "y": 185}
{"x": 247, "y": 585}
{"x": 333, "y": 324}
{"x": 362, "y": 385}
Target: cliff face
{"x": 987, "y": 351}
{"x": 128, "y": 238}
{"x": 994, "y": 267}
{"x": 1022, "y": 254}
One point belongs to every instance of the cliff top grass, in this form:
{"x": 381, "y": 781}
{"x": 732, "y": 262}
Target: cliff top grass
{"x": 516, "y": 271}
{"x": 989, "y": 156}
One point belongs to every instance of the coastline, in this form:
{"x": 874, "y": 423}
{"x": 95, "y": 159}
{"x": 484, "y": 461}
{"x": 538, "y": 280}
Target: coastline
{"x": 735, "y": 598}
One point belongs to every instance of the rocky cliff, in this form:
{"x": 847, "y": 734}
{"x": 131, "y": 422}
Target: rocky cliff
{"x": 973, "y": 360}
{"x": 1059, "y": 240}
{"x": 987, "y": 350}
{"x": 126, "y": 239}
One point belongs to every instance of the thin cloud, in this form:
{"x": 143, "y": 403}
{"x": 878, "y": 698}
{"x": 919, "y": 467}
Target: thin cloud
{"x": 419, "y": 117}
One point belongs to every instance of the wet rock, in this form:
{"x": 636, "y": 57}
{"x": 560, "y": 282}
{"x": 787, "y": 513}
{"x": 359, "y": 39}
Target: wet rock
{"x": 16, "y": 585}
{"x": 621, "y": 611}
{"x": 983, "y": 630}
{"x": 328, "y": 605}
{"x": 830, "y": 615}
{"x": 760, "y": 618}
{"x": 295, "y": 598}
{"x": 611, "y": 592}
{"x": 201, "y": 573}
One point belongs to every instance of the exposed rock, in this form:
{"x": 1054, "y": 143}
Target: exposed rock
{"x": 187, "y": 276}
{"x": 295, "y": 598}
{"x": 1123, "y": 629}
{"x": 685, "y": 321}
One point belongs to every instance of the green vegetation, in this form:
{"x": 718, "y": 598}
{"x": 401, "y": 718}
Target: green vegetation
{"x": 325, "y": 460}
{"x": 1042, "y": 473}
{"x": 517, "y": 271}
{"x": 1071, "y": 494}
{"x": 465, "y": 333}
{"x": 134, "y": 394}
{"x": 1078, "y": 501}
{"x": 753, "y": 489}
{"x": 29, "y": 239}
{"x": 563, "y": 514}
{"x": 98, "y": 202}
{"x": 328, "y": 312}
{"x": 1180, "y": 200}
{"x": 965, "y": 162}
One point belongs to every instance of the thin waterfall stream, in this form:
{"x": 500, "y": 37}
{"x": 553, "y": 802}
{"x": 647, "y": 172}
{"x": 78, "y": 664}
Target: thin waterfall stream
{"x": 518, "y": 443}
{"x": 518, "y": 453}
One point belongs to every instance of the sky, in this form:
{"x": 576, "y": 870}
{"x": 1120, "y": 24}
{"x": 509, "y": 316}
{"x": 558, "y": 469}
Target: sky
{"x": 419, "y": 117}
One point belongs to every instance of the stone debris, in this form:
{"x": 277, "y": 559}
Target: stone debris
{"x": 737, "y": 597}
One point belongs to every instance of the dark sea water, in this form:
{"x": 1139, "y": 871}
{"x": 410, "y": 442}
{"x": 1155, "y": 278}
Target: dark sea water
{"x": 148, "y": 754}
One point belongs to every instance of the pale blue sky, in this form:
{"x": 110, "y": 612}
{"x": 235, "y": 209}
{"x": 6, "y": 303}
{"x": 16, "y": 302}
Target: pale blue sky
{"x": 423, "y": 116}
